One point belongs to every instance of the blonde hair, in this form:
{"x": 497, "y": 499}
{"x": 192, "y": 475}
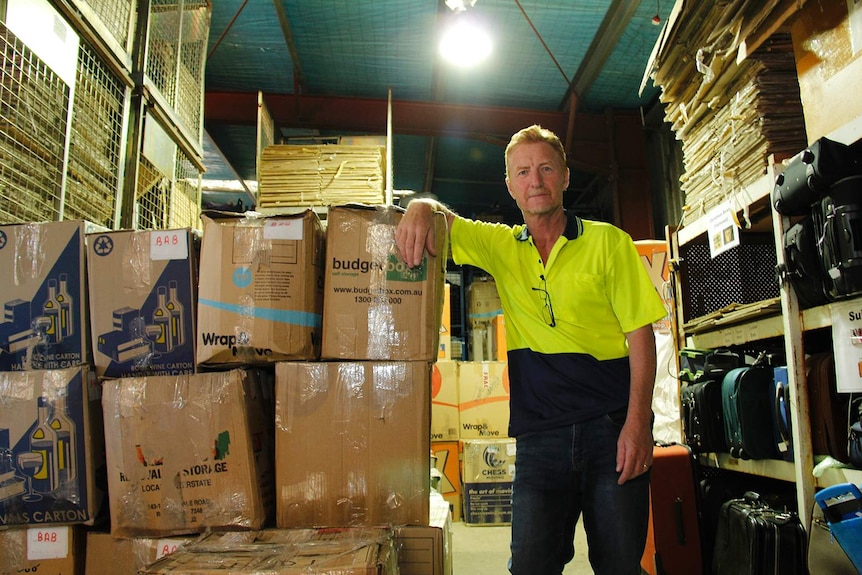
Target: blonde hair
{"x": 535, "y": 134}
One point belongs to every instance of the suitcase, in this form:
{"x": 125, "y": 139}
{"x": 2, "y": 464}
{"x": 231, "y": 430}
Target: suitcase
{"x": 839, "y": 223}
{"x": 810, "y": 173}
{"x": 827, "y": 408}
{"x": 747, "y": 403}
{"x": 753, "y": 538}
{"x": 702, "y": 417}
{"x": 802, "y": 267}
{"x": 781, "y": 421}
{"x": 673, "y": 540}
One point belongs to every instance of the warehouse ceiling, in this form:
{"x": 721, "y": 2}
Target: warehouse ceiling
{"x": 329, "y": 68}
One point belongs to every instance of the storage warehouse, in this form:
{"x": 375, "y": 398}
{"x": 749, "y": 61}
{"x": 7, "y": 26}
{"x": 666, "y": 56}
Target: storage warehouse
{"x": 218, "y": 355}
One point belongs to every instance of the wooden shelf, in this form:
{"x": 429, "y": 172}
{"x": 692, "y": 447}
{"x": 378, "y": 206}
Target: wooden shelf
{"x": 776, "y": 469}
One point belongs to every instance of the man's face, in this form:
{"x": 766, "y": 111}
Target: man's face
{"x": 537, "y": 178}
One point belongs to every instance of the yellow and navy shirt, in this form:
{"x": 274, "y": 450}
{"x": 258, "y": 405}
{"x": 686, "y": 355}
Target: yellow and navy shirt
{"x": 598, "y": 289}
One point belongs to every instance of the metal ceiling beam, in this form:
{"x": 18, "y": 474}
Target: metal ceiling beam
{"x": 616, "y": 20}
{"x": 284, "y": 22}
{"x": 412, "y": 118}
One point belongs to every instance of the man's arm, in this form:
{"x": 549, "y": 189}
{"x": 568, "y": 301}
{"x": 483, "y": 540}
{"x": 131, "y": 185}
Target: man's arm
{"x": 635, "y": 445}
{"x": 415, "y": 232}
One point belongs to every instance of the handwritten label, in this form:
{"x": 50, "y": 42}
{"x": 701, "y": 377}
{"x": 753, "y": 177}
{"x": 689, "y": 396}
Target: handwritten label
{"x": 283, "y": 229}
{"x": 169, "y": 245}
{"x": 47, "y": 543}
{"x": 166, "y": 547}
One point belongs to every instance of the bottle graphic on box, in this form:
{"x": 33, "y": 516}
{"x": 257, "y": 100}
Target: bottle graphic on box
{"x": 67, "y": 450}
{"x": 44, "y": 442}
{"x": 51, "y": 311}
{"x": 65, "y": 301}
{"x": 164, "y": 340}
{"x": 176, "y": 310}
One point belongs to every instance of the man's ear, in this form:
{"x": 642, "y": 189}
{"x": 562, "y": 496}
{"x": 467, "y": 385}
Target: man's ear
{"x": 509, "y": 188}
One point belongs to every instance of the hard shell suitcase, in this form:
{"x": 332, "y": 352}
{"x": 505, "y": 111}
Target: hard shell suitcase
{"x": 673, "y": 541}
{"x": 747, "y": 400}
{"x": 753, "y": 538}
{"x": 827, "y": 408}
{"x": 781, "y": 423}
{"x": 803, "y": 268}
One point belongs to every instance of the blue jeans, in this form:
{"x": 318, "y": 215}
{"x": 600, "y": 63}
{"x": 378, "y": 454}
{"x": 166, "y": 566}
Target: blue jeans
{"x": 563, "y": 473}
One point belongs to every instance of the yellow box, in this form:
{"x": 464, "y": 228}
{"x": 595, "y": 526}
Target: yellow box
{"x": 444, "y": 350}
{"x": 448, "y": 457}
{"x": 499, "y": 327}
{"x": 653, "y": 255}
{"x": 483, "y": 301}
{"x": 483, "y": 399}
{"x": 445, "y": 418}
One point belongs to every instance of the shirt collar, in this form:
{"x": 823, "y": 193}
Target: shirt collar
{"x": 574, "y": 229}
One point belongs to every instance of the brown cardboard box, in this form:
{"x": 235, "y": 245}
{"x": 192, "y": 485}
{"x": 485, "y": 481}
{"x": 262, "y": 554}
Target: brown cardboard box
{"x": 107, "y": 555}
{"x": 448, "y": 462}
{"x": 51, "y": 436}
{"x": 261, "y": 289}
{"x": 374, "y": 307}
{"x": 142, "y": 312}
{"x": 483, "y": 392}
{"x": 188, "y": 453}
{"x": 43, "y": 290}
{"x": 445, "y": 418}
{"x": 352, "y": 443}
{"x": 487, "y": 473}
{"x": 426, "y": 550}
{"x": 343, "y": 551}
{"x": 826, "y": 67}
{"x": 48, "y": 550}
{"x": 483, "y": 301}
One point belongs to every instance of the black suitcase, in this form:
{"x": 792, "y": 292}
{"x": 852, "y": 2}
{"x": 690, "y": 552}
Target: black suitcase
{"x": 802, "y": 267}
{"x": 703, "y": 418}
{"x": 811, "y": 172}
{"x": 753, "y": 538}
{"x": 827, "y": 408}
{"x": 839, "y": 223}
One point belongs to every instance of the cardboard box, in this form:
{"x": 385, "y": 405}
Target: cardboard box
{"x": 444, "y": 348}
{"x": 352, "y": 443}
{"x": 43, "y": 290}
{"x": 51, "y": 436}
{"x": 375, "y": 307}
{"x": 498, "y": 325}
{"x": 483, "y": 399}
{"x": 189, "y": 453}
{"x": 107, "y": 555}
{"x": 827, "y": 67}
{"x": 261, "y": 289}
{"x": 49, "y": 550}
{"x": 445, "y": 417}
{"x": 285, "y": 552}
{"x": 487, "y": 474}
{"x": 653, "y": 255}
{"x": 447, "y": 456}
{"x": 426, "y": 550}
{"x": 483, "y": 301}
{"x": 143, "y": 304}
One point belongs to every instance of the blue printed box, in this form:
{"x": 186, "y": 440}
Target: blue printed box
{"x": 142, "y": 302}
{"x": 49, "y": 448}
{"x": 43, "y": 291}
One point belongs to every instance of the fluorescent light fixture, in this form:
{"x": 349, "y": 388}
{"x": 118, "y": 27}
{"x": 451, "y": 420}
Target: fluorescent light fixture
{"x": 464, "y": 43}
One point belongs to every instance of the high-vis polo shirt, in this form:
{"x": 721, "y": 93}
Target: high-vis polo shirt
{"x": 594, "y": 289}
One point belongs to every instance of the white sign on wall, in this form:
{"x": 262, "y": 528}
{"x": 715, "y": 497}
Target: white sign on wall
{"x": 847, "y": 343}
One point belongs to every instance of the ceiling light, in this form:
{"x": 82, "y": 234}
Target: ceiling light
{"x": 464, "y": 43}
{"x": 459, "y": 5}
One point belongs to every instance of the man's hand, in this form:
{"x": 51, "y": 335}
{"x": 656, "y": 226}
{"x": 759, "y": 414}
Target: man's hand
{"x": 415, "y": 232}
{"x": 634, "y": 451}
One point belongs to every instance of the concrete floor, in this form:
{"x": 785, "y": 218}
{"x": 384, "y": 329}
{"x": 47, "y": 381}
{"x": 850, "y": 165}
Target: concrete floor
{"x": 484, "y": 550}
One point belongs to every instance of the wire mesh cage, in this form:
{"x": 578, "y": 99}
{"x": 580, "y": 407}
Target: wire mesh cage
{"x": 186, "y": 196}
{"x": 117, "y": 16}
{"x": 95, "y": 153}
{"x": 179, "y": 30}
{"x": 34, "y": 104}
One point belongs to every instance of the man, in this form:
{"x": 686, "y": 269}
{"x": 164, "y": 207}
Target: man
{"x": 579, "y": 309}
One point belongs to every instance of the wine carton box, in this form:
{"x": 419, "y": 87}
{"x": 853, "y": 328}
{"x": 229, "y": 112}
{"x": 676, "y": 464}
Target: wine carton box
{"x": 51, "y": 445}
{"x": 352, "y": 443}
{"x": 189, "y": 453}
{"x": 374, "y": 306}
{"x": 261, "y": 289}
{"x": 142, "y": 302}
{"x": 43, "y": 291}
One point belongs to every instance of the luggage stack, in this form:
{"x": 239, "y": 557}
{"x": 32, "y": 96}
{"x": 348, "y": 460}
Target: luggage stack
{"x": 199, "y": 399}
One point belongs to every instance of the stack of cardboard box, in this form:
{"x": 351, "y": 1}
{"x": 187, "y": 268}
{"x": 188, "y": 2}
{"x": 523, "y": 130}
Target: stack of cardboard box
{"x": 51, "y": 448}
